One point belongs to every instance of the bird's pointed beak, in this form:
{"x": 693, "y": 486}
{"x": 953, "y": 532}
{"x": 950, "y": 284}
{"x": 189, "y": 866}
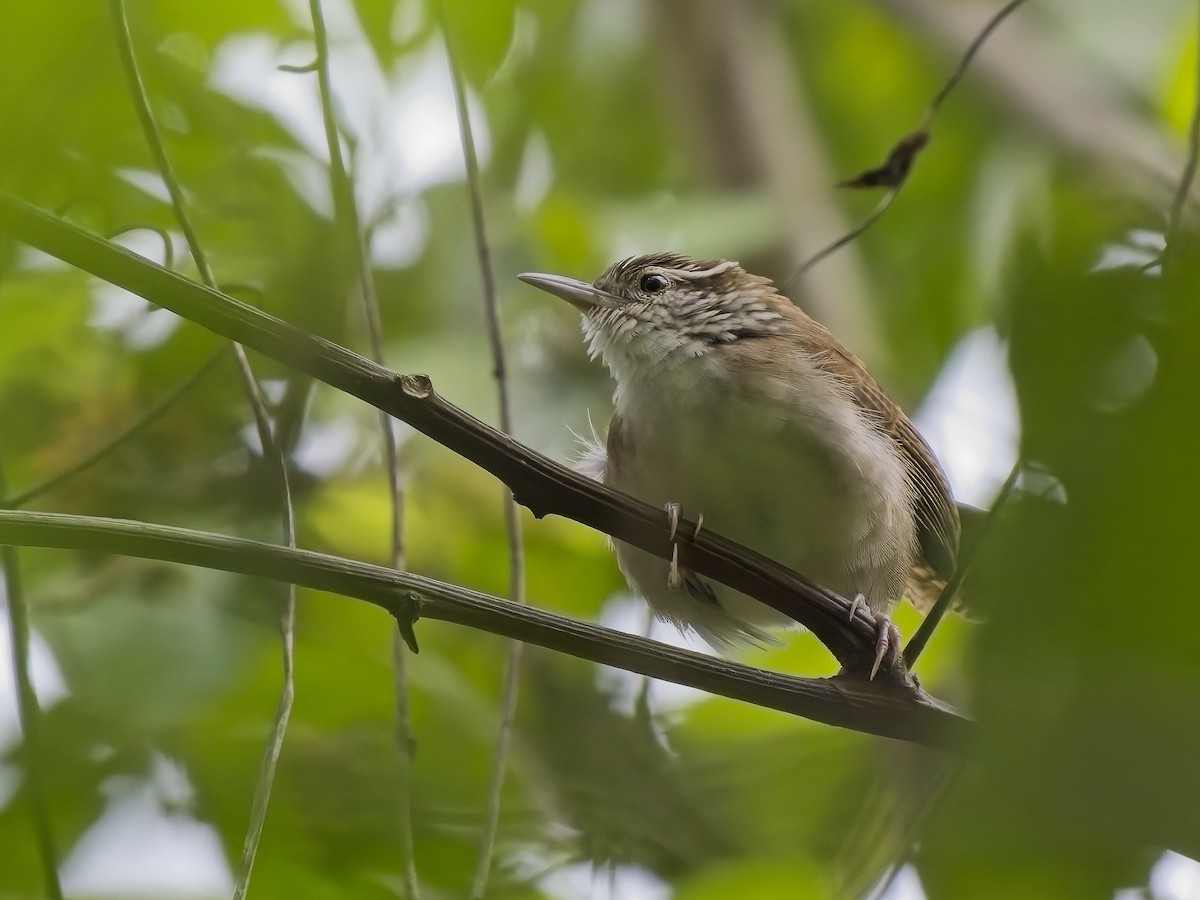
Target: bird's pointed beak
{"x": 583, "y": 296}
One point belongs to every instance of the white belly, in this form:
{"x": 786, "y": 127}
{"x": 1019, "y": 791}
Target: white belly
{"x": 809, "y": 483}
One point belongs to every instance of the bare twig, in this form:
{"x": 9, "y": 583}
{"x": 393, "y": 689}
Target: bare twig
{"x": 512, "y": 518}
{"x": 270, "y": 447}
{"x": 884, "y": 707}
{"x": 1082, "y": 110}
{"x": 954, "y": 79}
{"x": 893, "y": 174}
{"x": 852, "y": 235}
{"x": 541, "y": 484}
{"x": 28, "y": 712}
{"x": 918, "y": 641}
{"x": 152, "y": 415}
{"x": 346, "y": 211}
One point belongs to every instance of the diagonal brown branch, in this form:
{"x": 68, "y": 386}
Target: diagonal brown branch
{"x": 882, "y": 707}
{"x": 540, "y": 484}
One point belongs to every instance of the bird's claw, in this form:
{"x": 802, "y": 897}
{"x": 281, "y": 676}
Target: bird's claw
{"x": 887, "y": 643}
{"x": 674, "y": 575}
{"x": 673, "y": 515}
{"x": 674, "y": 572}
{"x": 887, "y": 636}
{"x": 859, "y": 601}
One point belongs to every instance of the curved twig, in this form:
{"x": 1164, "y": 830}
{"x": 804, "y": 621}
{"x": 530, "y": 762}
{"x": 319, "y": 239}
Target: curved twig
{"x": 162, "y": 233}
{"x": 880, "y": 208}
{"x": 893, "y": 173}
{"x": 972, "y": 49}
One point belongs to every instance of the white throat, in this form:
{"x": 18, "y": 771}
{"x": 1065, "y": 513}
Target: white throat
{"x": 640, "y": 353}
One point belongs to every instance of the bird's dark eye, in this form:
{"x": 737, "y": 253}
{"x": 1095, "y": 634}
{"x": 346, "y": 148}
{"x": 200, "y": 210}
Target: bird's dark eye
{"x": 653, "y": 284}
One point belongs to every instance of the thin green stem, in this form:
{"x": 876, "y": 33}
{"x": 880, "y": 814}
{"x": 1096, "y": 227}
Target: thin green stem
{"x": 262, "y": 420}
{"x": 28, "y": 711}
{"x": 346, "y": 211}
{"x": 512, "y": 517}
{"x": 152, "y": 415}
{"x": 917, "y": 644}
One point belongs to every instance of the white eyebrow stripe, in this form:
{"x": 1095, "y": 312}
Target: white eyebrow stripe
{"x": 720, "y": 267}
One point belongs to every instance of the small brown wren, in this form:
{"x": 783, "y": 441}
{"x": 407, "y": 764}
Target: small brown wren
{"x": 732, "y": 404}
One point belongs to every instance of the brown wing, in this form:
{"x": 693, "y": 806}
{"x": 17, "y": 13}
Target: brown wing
{"x": 933, "y": 504}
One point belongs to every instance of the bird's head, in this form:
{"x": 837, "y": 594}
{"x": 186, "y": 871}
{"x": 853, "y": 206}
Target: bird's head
{"x": 647, "y": 310}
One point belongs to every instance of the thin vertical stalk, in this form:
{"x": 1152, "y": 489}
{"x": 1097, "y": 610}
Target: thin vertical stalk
{"x": 346, "y": 212}
{"x": 512, "y": 520}
{"x": 29, "y": 712}
{"x": 271, "y": 451}
{"x": 966, "y": 556}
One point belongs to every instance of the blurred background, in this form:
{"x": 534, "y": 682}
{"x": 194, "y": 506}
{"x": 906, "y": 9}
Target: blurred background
{"x": 1009, "y": 299}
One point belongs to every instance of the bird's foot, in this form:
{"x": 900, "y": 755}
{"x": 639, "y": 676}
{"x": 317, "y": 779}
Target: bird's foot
{"x": 675, "y": 577}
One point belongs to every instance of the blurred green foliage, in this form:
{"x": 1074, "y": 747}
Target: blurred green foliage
{"x": 607, "y": 128}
